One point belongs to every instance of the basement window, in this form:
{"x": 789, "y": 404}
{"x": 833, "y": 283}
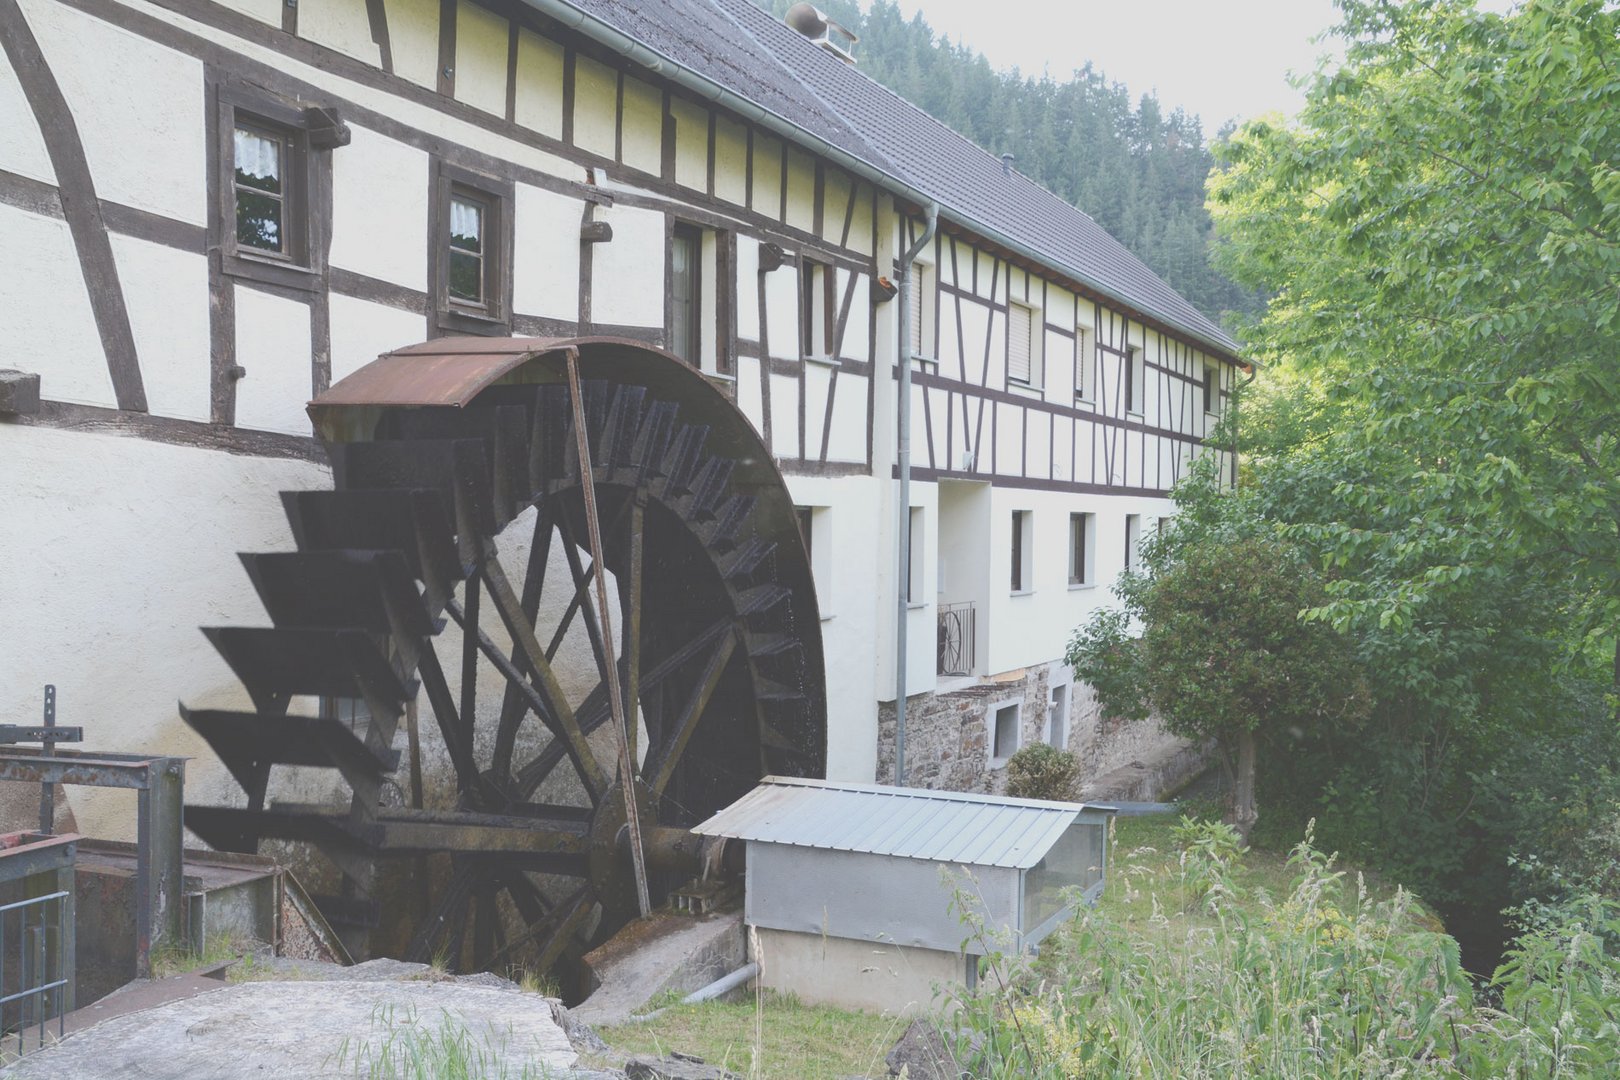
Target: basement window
{"x": 1004, "y": 731}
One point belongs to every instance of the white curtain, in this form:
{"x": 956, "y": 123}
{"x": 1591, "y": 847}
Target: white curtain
{"x": 258, "y": 155}
{"x": 465, "y": 221}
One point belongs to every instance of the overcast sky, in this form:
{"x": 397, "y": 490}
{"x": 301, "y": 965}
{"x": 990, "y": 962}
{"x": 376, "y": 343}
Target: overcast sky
{"x": 1221, "y": 59}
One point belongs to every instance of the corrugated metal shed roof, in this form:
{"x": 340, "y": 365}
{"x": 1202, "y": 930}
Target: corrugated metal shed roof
{"x": 910, "y": 823}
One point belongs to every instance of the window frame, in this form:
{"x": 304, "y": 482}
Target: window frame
{"x": 450, "y": 316}
{"x": 1135, "y": 381}
{"x": 1082, "y": 526}
{"x": 1037, "y": 334}
{"x": 1085, "y": 373}
{"x": 1133, "y": 540}
{"x": 924, "y": 304}
{"x": 307, "y": 172}
{"x": 1022, "y": 551}
{"x": 816, "y": 306}
{"x": 1212, "y": 390}
{"x": 991, "y": 715}
{"x": 1057, "y": 704}
{"x": 685, "y": 231}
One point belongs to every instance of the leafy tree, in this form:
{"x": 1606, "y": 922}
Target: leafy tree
{"x": 1221, "y": 652}
{"x": 1442, "y": 231}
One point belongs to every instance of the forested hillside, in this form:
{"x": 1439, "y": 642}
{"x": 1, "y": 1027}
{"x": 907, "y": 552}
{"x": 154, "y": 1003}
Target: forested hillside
{"x": 1136, "y": 169}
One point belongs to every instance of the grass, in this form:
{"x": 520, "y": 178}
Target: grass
{"x": 410, "y": 1049}
{"x": 799, "y": 1042}
{"x": 1144, "y": 850}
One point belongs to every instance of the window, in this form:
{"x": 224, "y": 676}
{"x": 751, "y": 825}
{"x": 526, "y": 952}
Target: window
{"x": 1085, "y": 368}
{"x": 915, "y": 593}
{"x": 470, "y": 264}
{"x": 1004, "y": 723}
{"x": 473, "y": 223}
{"x": 686, "y": 297}
{"x": 1080, "y": 545}
{"x": 1211, "y": 382}
{"x": 1023, "y": 537}
{"x": 813, "y": 524}
{"x": 1135, "y": 376}
{"x": 268, "y": 157}
{"x": 1133, "y": 538}
{"x": 263, "y": 166}
{"x": 1021, "y": 345}
{"x": 815, "y": 308}
{"x": 1057, "y": 717}
{"x": 922, "y": 311}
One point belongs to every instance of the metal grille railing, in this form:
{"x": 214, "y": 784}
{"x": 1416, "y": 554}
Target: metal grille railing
{"x": 36, "y": 964}
{"x": 957, "y": 630}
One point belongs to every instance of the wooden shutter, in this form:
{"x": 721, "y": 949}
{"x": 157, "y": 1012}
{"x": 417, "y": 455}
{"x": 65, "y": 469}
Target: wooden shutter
{"x": 1018, "y": 335}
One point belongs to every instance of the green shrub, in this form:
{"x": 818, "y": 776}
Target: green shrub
{"x": 1039, "y": 771}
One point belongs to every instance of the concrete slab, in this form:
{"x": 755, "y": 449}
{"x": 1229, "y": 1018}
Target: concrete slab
{"x": 661, "y": 952}
{"x": 315, "y": 1030}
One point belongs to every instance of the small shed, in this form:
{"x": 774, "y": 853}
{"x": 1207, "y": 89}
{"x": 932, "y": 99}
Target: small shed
{"x": 849, "y": 887}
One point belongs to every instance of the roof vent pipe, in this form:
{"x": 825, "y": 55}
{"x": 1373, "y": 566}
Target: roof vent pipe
{"x": 1006, "y": 164}
{"x": 814, "y": 24}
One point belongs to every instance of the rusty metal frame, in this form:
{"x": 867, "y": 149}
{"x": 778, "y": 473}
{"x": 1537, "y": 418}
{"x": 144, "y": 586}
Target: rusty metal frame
{"x": 159, "y": 786}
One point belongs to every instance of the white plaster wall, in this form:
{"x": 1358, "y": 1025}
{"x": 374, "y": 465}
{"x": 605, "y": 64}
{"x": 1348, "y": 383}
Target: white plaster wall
{"x": 413, "y": 37}
{"x": 847, "y": 441}
{"x": 45, "y": 309}
{"x": 730, "y": 161}
{"x": 801, "y": 191}
{"x": 784, "y": 416}
{"x": 273, "y": 346}
{"x": 691, "y": 144}
{"x": 265, "y": 11}
{"x": 380, "y": 191}
{"x": 817, "y": 381}
{"x": 643, "y": 136}
{"x": 482, "y": 42}
{"x": 538, "y": 102}
{"x": 767, "y": 175}
{"x": 120, "y": 549}
{"x": 1035, "y": 628}
{"x": 166, "y": 294}
{"x": 782, "y": 311}
{"x": 846, "y": 540}
{"x": 155, "y": 100}
{"x": 747, "y": 311}
{"x": 750, "y": 397}
{"x": 596, "y": 95}
{"x": 341, "y": 25}
{"x": 362, "y": 331}
{"x": 545, "y": 265}
{"x": 628, "y": 272}
{"x": 22, "y": 150}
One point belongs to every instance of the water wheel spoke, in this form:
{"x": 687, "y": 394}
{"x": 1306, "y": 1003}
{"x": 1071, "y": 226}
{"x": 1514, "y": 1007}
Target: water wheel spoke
{"x": 594, "y": 712}
{"x": 544, "y": 693}
{"x": 457, "y": 740}
{"x": 630, "y": 606}
{"x": 575, "y": 603}
{"x": 586, "y": 610}
{"x": 555, "y": 926}
{"x": 513, "y": 706}
{"x": 486, "y": 919}
{"x": 669, "y": 755}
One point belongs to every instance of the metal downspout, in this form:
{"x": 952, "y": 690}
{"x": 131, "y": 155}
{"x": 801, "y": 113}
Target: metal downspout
{"x": 902, "y": 550}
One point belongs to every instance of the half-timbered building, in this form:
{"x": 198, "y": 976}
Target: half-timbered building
{"x": 213, "y": 210}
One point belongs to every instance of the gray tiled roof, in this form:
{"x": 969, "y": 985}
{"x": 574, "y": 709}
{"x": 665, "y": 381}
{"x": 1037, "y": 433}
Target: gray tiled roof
{"x": 743, "y": 49}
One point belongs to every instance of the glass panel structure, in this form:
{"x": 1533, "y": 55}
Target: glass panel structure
{"x": 261, "y": 194}
{"x": 1074, "y": 862}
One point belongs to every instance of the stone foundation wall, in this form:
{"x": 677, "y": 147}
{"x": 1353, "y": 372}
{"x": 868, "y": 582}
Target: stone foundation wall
{"x": 948, "y": 734}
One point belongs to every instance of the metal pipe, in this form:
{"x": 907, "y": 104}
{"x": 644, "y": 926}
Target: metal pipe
{"x": 602, "y": 33}
{"x": 720, "y": 986}
{"x": 902, "y": 551}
